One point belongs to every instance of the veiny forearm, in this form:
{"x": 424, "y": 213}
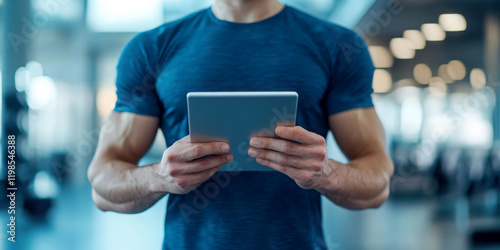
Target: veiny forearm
{"x": 358, "y": 204}
{"x": 123, "y": 187}
{"x": 131, "y": 207}
{"x": 363, "y": 183}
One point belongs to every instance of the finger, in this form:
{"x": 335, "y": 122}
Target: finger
{"x": 202, "y": 165}
{"x": 198, "y": 150}
{"x": 291, "y": 172}
{"x": 203, "y": 176}
{"x": 299, "y": 134}
{"x": 194, "y": 180}
{"x": 278, "y": 157}
{"x": 280, "y": 145}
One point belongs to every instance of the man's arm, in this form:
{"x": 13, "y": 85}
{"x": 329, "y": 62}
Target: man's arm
{"x": 119, "y": 185}
{"x": 362, "y": 183}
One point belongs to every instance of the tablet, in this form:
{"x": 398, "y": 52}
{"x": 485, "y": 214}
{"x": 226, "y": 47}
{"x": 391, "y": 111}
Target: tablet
{"x": 235, "y": 117}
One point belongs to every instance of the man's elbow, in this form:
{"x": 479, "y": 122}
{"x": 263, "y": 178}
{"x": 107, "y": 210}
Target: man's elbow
{"x": 381, "y": 198}
{"x": 99, "y": 202}
{"x": 389, "y": 171}
{"x": 92, "y": 173}
{"x": 390, "y": 168}
{"x": 101, "y": 206}
{"x": 123, "y": 208}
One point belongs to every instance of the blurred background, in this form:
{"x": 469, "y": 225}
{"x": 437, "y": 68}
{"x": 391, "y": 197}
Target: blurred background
{"x": 436, "y": 91}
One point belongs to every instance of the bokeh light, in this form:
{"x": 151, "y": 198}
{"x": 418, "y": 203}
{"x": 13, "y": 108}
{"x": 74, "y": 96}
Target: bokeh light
{"x": 382, "y": 81}
{"x": 453, "y": 22}
{"x": 477, "y": 78}
{"x": 433, "y": 32}
{"x": 456, "y": 70}
{"x": 402, "y": 48}
{"x": 381, "y": 56}
{"x": 422, "y": 73}
{"x": 416, "y": 38}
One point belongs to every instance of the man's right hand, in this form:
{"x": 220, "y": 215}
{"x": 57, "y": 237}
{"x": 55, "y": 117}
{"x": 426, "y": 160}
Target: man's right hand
{"x": 120, "y": 185}
{"x": 187, "y": 165}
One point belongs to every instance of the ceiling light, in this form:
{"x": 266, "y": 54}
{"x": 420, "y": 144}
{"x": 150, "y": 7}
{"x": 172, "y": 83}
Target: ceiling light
{"x": 41, "y": 92}
{"x": 402, "y": 48}
{"x": 35, "y": 68}
{"x": 433, "y": 32}
{"x": 477, "y": 78}
{"x": 443, "y": 73}
{"x": 382, "y": 81}
{"x": 456, "y": 70}
{"x": 416, "y": 38}
{"x": 453, "y": 22}
{"x": 381, "y": 56}
{"x": 21, "y": 79}
{"x": 422, "y": 73}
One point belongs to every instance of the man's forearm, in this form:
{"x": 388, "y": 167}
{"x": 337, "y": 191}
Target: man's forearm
{"x": 131, "y": 207}
{"x": 124, "y": 187}
{"x": 363, "y": 183}
{"x": 357, "y": 204}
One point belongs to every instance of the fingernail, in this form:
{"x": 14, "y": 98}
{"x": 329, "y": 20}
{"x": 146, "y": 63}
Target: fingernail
{"x": 229, "y": 157}
{"x": 255, "y": 142}
{"x": 279, "y": 130}
{"x": 252, "y": 152}
{"x": 259, "y": 160}
{"x": 224, "y": 147}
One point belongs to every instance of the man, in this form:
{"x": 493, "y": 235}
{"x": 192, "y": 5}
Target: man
{"x": 243, "y": 45}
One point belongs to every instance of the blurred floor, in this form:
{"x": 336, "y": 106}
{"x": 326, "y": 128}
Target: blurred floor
{"x": 407, "y": 224}
{"x": 75, "y": 223}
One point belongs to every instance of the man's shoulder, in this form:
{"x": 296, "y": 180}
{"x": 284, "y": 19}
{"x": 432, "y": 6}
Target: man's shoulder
{"x": 325, "y": 29}
{"x": 172, "y": 27}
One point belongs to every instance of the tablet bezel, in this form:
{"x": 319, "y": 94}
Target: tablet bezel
{"x": 269, "y": 98}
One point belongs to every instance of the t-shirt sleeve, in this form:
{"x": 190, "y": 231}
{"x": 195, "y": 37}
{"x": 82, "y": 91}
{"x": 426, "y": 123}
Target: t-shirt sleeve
{"x": 135, "y": 79}
{"x": 350, "y": 85}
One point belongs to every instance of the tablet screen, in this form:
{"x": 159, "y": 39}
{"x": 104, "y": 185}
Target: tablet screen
{"x": 235, "y": 117}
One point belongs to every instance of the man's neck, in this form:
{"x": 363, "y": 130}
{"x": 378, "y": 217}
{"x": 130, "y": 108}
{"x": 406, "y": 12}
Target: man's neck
{"x": 246, "y": 11}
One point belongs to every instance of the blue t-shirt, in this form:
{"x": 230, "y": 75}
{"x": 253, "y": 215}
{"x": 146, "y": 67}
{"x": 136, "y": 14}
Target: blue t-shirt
{"x": 327, "y": 65}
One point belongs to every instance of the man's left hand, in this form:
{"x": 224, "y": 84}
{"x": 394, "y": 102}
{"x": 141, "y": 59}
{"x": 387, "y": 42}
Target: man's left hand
{"x": 298, "y": 153}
